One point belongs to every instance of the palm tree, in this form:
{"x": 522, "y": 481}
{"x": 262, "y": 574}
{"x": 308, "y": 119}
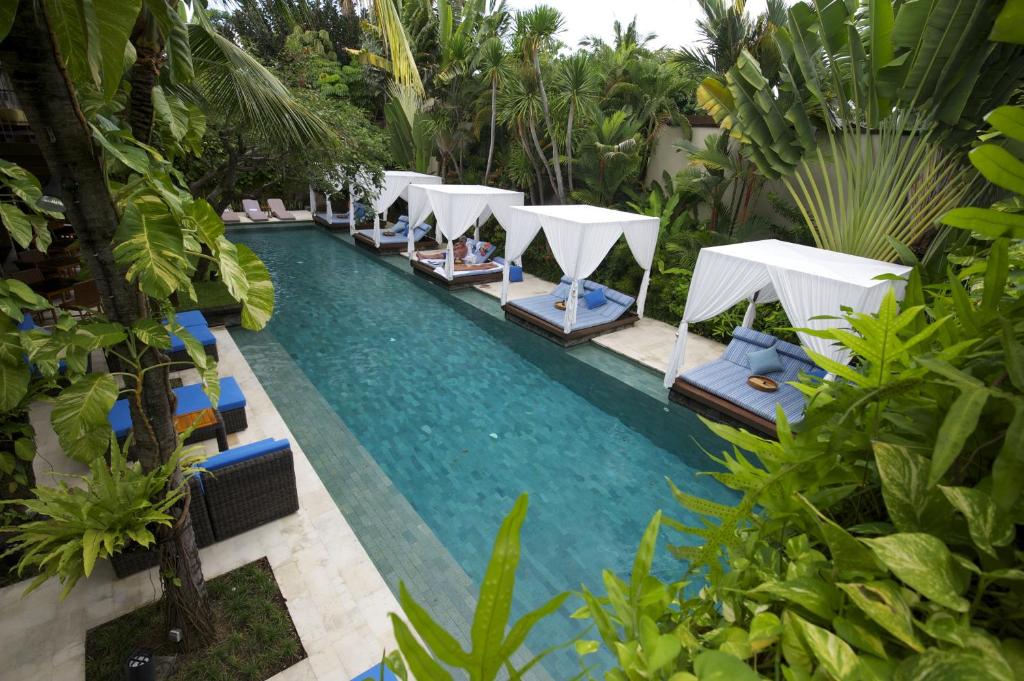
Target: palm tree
{"x": 492, "y": 63}
{"x": 579, "y": 87}
{"x": 726, "y": 31}
{"x": 535, "y": 29}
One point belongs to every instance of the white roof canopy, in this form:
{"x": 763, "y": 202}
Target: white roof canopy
{"x": 809, "y": 282}
{"x": 396, "y": 186}
{"x": 457, "y": 207}
{"x": 580, "y": 237}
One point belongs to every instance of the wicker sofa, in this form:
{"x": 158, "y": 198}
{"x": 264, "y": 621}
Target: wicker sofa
{"x": 190, "y": 399}
{"x": 238, "y": 490}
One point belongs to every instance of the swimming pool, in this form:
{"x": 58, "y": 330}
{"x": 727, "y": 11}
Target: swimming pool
{"x": 462, "y": 412}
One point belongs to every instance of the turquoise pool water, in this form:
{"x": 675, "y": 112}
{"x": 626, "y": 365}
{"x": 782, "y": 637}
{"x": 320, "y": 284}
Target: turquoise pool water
{"x": 463, "y": 412}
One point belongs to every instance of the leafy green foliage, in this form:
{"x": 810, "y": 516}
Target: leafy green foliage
{"x": 493, "y": 642}
{"x": 115, "y": 504}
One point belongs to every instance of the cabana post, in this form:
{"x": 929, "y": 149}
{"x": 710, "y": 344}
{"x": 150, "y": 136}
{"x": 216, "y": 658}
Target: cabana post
{"x": 809, "y": 283}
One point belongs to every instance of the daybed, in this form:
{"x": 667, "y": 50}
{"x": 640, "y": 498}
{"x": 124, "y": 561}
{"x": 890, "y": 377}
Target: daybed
{"x": 397, "y": 241}
{"x": 539, "y": 314}
{"x": 191, "y": 399}
{"x": 433, "y": 269}
{"x": 238, "y": 490}
{"x": 720, "y": 388}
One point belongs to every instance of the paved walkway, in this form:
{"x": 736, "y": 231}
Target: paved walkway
{"x": 648, "y": 342}
{"x": 337, "y": 598}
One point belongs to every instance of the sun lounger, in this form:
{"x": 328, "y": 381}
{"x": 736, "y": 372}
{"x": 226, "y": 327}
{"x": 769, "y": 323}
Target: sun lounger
{"x": 191, "y": 399}
{"x": 253, "y": 211}
{"x": 278, "y": 210}
{"x": 230, "y": 216}
{"x": 721, "y": 386}
{"x": 539, "y": 314}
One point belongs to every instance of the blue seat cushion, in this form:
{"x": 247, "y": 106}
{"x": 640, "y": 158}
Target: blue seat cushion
{"x": 544, "y": 308}
{"x": 190, "y": 318}
{"x": 729, "y": 381}
{"x": 374, "y": 674}
{"x": 191, "y": 398}
{"x": 27, "y": 323}
{"x": 200, "y": 333}
{"x": 764, "y": 362}
{"x": 595, "y": 299}
{"x": 244, "y": 453}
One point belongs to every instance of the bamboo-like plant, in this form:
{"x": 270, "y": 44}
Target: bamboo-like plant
{"x": 867, "y": 122}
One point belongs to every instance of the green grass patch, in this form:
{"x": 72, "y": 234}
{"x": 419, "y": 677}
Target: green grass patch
{"x": 211, "y": 294}
{"x": 255, "y": 635}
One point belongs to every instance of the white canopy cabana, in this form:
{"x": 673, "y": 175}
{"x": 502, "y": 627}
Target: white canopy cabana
{"x": 580, "y": 237}
{"x": 457, "y": 207}
{"x": 396, "y": 186}
{"x": 809, "y": 282}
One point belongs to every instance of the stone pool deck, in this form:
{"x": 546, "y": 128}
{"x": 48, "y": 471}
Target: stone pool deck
{"x": 336, "y": 596}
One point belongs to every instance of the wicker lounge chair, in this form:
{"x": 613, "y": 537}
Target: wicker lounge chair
{"x": 278, "y": 210}
{"x": 399, "y": 241}
{"x": 240, "y": 490}
{"x": 720, "y": 389}
{"x": 253, "y": 211}
{"x": 539, "y": 314}
{"x": 191, "y": 399}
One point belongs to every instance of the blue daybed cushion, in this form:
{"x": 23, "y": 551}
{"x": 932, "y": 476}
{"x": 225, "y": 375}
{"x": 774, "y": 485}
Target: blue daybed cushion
{"x": 190, "y": 398}
{"x": 544, "y": 307}
{"x": 764, "y": 362}
{"x": 374, "y": 674}
{"x": 244, "y": 453}
{"x": 190, "y": 318}
{"x": 200, "y": 333}
{"x": 595, "y": 299}
{"x": 27, "y": 323}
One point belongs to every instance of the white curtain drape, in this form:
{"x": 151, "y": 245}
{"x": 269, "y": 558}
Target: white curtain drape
{"x": 520, "y": 229}
{"x": 578, "y": 254}
{"x": 457, "y": 209}
{"x": 718, "y": 283}
{"x": 642, "y": 240}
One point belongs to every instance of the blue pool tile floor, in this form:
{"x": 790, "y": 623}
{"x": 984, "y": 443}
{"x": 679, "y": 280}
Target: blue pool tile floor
{"x": 426, "y": 415}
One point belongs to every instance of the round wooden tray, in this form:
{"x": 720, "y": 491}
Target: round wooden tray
{"x": 560, "y": 305}
{"x": 762, "y": 383}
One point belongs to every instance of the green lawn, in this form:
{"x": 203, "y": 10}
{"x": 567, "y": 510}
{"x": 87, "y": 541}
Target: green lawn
{"x": 255, "y": 635}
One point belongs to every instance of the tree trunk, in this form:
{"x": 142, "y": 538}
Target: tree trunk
{"x": 568, "y": 143}
{"x": 47, "y": 97}
{"x": 556, "y": 160}
{"x": 543, "y": 158}
{"x": 494, "y": 128}
{"x": 149, "y": 47}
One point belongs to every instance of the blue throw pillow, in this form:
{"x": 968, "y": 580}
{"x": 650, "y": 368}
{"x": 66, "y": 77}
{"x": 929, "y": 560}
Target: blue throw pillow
{"x": 400, "y": 228}
{"x": 818, "y": 372}
{"x": 515, "y": 273}
{"x": 764, "y": 361}
{"x": 595, "y": 299}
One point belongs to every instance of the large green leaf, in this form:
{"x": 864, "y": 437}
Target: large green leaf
{"x": 258, "y": 305}
{"x": 106, "y": 48}
{"x": 989, "y": 526}
{"x": 833, "y": 653}
{"x": 175, "y": 31}
{"x": 80, "y": 416}
{"x": 714, "y": 665}
{"x": 922, "y": 562}
{"x": 172, "y": 111}
{"x": 19, "y": 224}
{"x": 913, "y": 505}
{"x": 811, "y": 593}
{"x": 1008, "y": 468}
{"x": 999, "y": 167}
{"x": 495, "y": 600}
{"x": 883, "y": 603}
{"x": 150, "y": 244}
{"x": 439, "y": 641}
{"x": 421, "y": 664}
{"x": 986, "y": 221}
{"x": 1008, "y": 120}
{"x": 960, "y": 423}
{"x": 14, "y": 379}
{"x": 1009, "y": 25}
